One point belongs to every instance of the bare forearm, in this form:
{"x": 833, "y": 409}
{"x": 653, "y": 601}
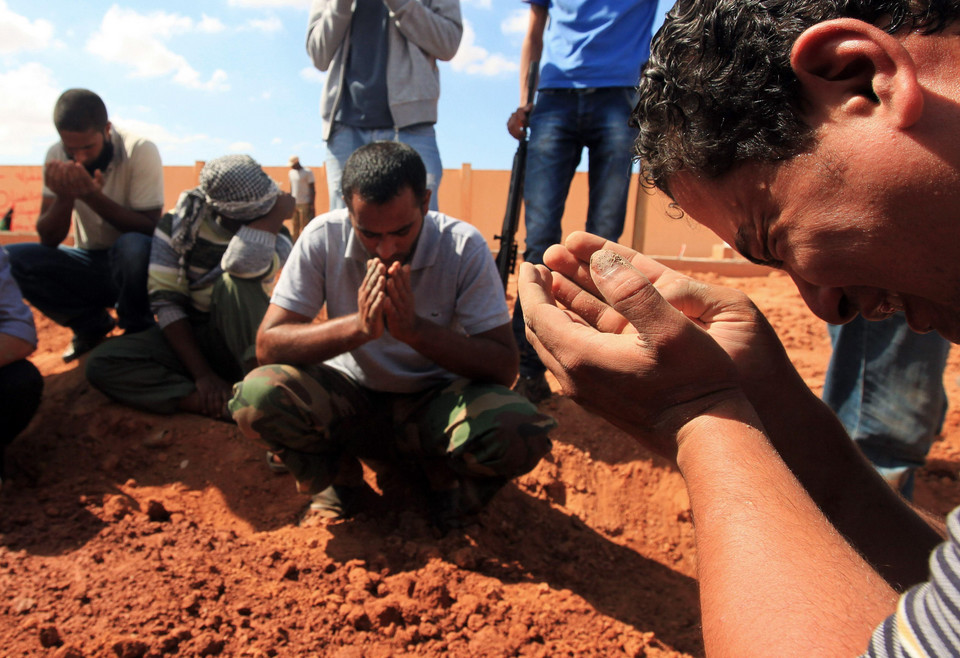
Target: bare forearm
{"x": 532, "y": 48}
{"x": 474, "y": 357}
{"x": 762, "y": 539}
{"x": 53, "y": 224}
{"x": 306, "y": 343}
{"x": 857, "y": 501}
{"x": 123, "y": 219}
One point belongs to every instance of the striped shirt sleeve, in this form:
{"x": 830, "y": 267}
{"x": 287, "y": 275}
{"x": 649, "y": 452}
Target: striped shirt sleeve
{"x": 927, "y": 620}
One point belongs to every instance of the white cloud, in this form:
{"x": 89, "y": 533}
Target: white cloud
{"x": 210, "y": 25}
{"x": 137, "y": 41}
{"x": 18, "y": 33}
{"x": 516, "y": 23}
{"x": 272, "y": 24}
{"x": 276, "y": 140}
{"x": 168, "y": 141}
{"x": 27, "y": 110}
{"x": 477, "y": 60}
{"x": 481, "y": 4}
{"x": 312, "y": 74}
{"x": 259, "y": 4}
{"x": 240, "y": 147}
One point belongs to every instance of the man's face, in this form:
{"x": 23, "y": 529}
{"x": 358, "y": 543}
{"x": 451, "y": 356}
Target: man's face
{"x": 390, "y": 230}
{"x": 85, "y": 147}
{"x": 858, "y": 229}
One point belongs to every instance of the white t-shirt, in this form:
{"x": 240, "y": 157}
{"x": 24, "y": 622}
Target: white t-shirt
{"x": 133, "y": 179}
{"x": 300, "y": 181}
{"x": 454, "y": 280}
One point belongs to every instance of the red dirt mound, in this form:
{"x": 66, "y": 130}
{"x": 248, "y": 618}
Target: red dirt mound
{"x": 128, "y": 534}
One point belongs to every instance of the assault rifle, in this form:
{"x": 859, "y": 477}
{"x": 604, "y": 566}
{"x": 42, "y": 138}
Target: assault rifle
{"x": 507, "y": 256}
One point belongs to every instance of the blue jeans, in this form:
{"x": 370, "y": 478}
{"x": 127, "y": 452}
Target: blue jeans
{"x": 74, "y": 287}
{"x": 562, "y": 124}
{"x": 885, "y": 383}
{"x": 344, "y": 140}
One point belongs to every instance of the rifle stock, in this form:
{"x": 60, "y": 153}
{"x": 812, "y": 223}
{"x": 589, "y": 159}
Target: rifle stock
{"x": 507, "y": 255}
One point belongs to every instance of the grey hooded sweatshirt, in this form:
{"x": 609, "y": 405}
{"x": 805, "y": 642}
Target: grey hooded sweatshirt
{"x": 419, "y": 33}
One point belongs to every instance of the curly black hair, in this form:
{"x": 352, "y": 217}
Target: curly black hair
{"x": 719, "y": 90}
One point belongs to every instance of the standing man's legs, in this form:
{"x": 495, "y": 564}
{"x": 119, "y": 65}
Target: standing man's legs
{"x": 886, "y": 384}
{"x": 344, "y": 140}
{"x": 302, "y": 214}
{"x": 609, "y": 139}
{"x": 552, "y": 158}
{"x": 423, "y": 139}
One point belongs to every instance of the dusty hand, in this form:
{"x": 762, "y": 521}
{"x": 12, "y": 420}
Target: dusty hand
{"x": 628, "y": 354}
{"x": 370, "y": 299}
{"x": 214, "y": 393}
{"x": 399, "y": 307}
{"x": 728, "y": 315}
{"x": 518, "y": 121}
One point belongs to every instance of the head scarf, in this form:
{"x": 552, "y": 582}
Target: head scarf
{"x": 234, "y": 186}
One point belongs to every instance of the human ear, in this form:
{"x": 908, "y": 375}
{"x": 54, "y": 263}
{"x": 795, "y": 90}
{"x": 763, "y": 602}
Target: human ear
{"x": 850, "y": 68}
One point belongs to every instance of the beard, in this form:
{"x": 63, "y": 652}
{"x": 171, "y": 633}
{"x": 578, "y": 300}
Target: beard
{"x": 106, "y": 155}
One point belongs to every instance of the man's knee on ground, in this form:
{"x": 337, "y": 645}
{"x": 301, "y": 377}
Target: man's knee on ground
{"x": 269, "y": 396}
{"x": 501, "y": 434}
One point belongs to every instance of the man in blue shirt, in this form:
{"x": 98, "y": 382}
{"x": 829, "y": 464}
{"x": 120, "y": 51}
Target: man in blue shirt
{"x": 592, "y": 53}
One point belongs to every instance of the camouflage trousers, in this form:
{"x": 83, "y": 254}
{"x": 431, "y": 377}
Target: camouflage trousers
{"x": 313, "y": 417}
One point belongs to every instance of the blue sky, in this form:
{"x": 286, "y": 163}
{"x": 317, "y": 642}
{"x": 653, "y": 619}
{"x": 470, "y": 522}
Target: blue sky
{"x": 206, "y": 78}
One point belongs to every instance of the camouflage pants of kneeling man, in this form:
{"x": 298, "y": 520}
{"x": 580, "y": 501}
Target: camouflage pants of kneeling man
{"x": 312, "y": 417}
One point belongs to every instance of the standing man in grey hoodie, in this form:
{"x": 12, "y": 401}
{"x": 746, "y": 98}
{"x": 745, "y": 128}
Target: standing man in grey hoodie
{"x": 389, "y": 91}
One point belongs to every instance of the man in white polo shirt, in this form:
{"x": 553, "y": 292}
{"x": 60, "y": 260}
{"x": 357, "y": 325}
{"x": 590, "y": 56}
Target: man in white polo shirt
{"x": 412, "y": 362}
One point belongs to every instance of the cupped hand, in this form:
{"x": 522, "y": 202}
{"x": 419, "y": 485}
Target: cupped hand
{"x": 623, "y": 351}
{"x": 69, "y": 179}
{"x": 728, "y": 315}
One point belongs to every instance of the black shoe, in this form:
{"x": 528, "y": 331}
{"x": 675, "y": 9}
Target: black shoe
{"x": 80, "y": 345}
{"x": 536, "y": 389}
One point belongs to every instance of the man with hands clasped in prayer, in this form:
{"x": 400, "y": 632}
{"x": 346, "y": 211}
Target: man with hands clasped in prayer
{"x": 410, "y": 366}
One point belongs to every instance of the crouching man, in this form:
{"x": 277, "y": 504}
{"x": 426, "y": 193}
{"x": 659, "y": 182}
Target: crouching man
{"x": 213, "y": 261}
{"x": 411, "y": 363}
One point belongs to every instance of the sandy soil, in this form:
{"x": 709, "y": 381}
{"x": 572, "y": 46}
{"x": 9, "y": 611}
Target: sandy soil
{"x": 127, "y": 534}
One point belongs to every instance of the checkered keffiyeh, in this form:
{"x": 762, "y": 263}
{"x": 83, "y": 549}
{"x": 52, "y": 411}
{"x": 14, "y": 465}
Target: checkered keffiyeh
{"x": 234, "y": 186}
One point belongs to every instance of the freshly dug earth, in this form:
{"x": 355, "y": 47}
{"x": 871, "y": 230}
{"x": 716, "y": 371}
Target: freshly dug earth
{"x": 128, "y": 534}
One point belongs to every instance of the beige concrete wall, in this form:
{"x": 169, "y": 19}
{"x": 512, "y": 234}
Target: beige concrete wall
{"x": 478, "y": 196}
